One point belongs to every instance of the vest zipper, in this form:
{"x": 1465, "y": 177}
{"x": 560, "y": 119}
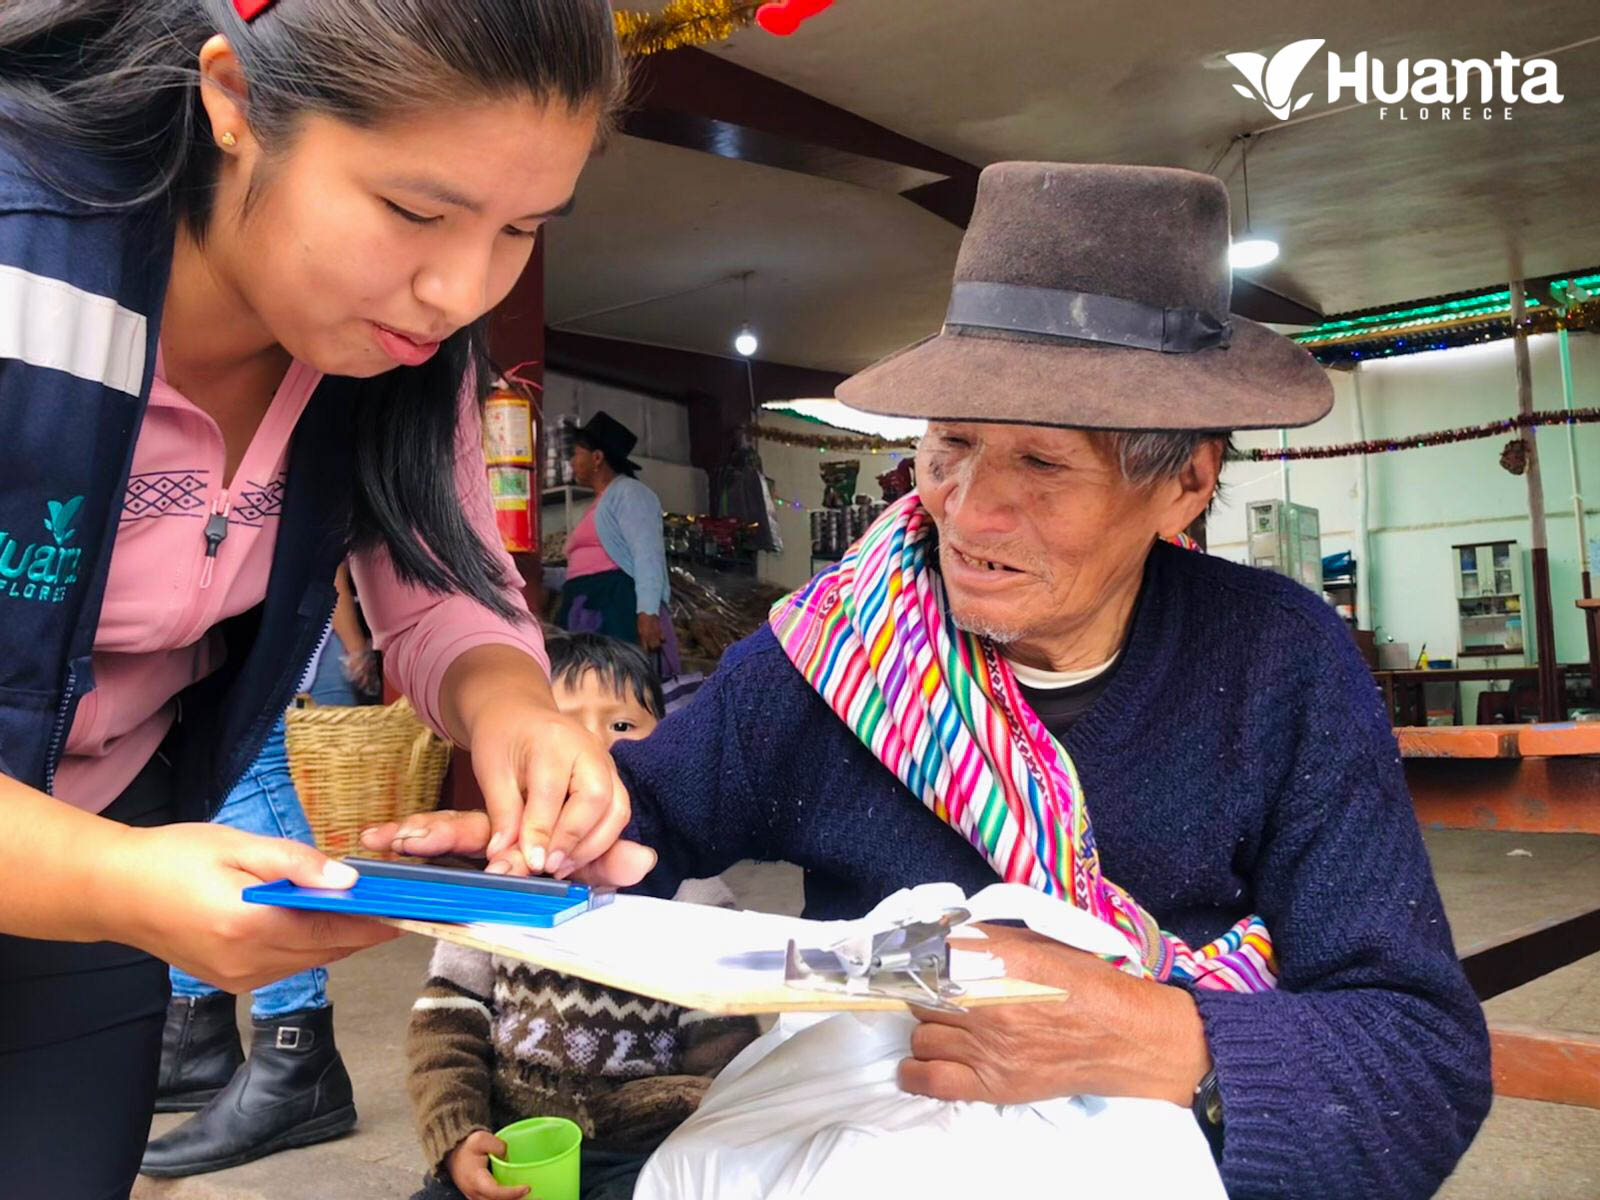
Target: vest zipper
{"x": 216, "y": 529}
{"x": 58, "y": 734}
{"x": 300, "y": 654}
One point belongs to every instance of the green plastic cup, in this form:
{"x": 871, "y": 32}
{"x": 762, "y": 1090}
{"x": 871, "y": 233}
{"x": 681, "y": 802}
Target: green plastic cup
{"x": 542, "y": 1153}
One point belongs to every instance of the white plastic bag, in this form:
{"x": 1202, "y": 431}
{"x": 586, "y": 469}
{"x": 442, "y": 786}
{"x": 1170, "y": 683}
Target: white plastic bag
{"x": 814, "y": 1109}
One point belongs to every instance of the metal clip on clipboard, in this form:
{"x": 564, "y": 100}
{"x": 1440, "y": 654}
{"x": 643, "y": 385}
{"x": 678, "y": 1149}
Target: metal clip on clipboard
{"x": 908, "y": 961}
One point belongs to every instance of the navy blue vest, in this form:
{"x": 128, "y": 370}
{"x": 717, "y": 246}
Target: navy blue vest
{"x": 81, "y": 293}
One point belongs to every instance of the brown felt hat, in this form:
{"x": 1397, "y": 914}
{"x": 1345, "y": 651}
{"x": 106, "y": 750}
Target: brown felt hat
{"x": 1097, "y": 297}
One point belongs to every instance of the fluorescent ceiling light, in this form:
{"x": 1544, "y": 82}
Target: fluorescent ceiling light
{"x": 841, "y": 416}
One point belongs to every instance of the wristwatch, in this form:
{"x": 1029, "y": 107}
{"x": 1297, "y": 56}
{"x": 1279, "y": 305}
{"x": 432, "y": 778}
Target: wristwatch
{"x": 1207, "y": 1109}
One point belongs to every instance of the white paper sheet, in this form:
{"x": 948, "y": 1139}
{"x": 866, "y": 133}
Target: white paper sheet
{"x": 678, "y": 948}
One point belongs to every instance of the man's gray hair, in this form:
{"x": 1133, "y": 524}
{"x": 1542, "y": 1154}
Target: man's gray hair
{"x": 1148, "y": 456}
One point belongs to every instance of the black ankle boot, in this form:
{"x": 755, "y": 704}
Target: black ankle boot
{"x": 292, "y": 1091}
{"x": 200, "y": 1051}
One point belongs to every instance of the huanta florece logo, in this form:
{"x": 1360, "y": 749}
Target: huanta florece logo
{"x": 41, "y": 570}
{"x": 1274, "y": 78}
{"x": 1430, "y": 88}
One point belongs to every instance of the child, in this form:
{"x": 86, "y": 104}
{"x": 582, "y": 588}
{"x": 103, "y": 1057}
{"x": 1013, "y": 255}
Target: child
{"x": 493, "y": 1040}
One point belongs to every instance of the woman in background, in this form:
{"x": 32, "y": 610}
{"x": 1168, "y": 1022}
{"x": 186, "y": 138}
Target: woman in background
{"x": 617, "y": 555}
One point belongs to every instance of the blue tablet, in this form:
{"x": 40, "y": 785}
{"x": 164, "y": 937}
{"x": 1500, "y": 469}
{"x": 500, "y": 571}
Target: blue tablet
{"x": 423, "y": 892}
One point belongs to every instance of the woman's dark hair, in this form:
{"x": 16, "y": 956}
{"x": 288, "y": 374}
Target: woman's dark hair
{"x": 621, "y": 666}
{"x": 119, "y": 81}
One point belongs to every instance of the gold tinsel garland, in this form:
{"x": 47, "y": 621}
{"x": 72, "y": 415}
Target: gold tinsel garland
{"x": 1440, "y": 437}
{"x": 867, "y": 444}
{"x": 683, "y": 23}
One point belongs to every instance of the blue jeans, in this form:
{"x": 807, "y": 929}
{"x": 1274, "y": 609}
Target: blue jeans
{"x": 329, "y": 686}
{"x": 264, "y": 802}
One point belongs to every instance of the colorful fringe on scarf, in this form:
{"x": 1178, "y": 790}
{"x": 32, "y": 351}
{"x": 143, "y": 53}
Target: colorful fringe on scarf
{"x": 941, "y": 709}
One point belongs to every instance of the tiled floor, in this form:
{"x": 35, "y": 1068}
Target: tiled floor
{"x": 1527, "y": 1151}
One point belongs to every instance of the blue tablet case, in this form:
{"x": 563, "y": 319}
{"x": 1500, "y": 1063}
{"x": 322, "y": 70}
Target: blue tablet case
{"x": 426, "y": 893}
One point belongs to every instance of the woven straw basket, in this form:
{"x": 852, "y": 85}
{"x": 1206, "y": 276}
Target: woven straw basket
{"x": 361, "y": 766}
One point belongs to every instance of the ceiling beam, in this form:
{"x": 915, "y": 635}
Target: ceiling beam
{"x": 702, "y": 102}
{"x": 951, "y": 199}
{"x": 699, "y": 101}
{"x": 1267, "y": 306}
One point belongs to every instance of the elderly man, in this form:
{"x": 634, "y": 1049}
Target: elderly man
{"x": 1020, "y": 645}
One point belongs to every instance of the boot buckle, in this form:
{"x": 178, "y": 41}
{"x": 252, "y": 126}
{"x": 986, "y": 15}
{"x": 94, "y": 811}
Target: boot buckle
{"x": 290, "y": 1037}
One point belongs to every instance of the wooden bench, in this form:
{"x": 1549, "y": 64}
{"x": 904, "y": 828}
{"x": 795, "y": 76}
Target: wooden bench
{"x": 1513, "y": 778}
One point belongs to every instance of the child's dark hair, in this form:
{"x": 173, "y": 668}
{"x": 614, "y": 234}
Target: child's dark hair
{"x": 623, "y": 667}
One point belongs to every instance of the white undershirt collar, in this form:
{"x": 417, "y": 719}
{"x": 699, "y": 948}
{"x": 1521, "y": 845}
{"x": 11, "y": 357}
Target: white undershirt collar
{"x": 1033, "y": 677}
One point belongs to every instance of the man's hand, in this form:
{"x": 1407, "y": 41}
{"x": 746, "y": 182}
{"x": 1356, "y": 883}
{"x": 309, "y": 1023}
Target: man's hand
{"x": 1113, "y": 1036}
{"x": 468, "y": 1167}
{"x": 650, "y": 632}
{"x": 432, "y": 834}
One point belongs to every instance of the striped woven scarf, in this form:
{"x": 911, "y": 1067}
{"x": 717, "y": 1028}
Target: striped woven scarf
{"x": 941, "y": 709}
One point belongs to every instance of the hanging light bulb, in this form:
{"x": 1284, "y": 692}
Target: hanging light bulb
{"x": 745, "y": 342}
{"x": 1249, "y": 251}
{"x": 1252, "y": 252}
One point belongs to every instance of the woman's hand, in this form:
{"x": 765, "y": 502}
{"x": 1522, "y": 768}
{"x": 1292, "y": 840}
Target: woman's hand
{"x": 175, "y": 891}
{"x": 432, "y": 834}
{"x": 550, "y": 787}
{"x": 542, "y": 767}
{"x": 650, "y": 638}
{"x": 468, "y": 1168}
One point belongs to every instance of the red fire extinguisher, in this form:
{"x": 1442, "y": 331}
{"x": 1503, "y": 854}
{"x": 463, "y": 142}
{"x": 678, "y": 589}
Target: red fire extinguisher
{"x": 508, "y": 442}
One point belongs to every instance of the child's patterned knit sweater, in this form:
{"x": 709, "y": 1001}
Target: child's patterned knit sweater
{"x": 493, "y": 1040}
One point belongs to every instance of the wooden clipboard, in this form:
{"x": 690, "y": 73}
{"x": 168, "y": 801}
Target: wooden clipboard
{"x": 758, "y": 998}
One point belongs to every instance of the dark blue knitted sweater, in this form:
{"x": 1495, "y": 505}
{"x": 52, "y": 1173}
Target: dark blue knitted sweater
{"x": 1238, "y": 762}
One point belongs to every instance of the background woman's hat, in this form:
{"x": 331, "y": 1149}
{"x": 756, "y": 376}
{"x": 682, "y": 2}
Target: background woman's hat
{"x": 1097, "y": 297}
{"x": 613, "y": 439}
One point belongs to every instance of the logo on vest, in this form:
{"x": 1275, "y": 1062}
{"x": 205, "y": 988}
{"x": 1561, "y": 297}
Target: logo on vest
{"x": 41, "y": 570}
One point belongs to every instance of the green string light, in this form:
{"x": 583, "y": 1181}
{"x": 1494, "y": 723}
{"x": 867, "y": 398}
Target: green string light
{"x": 1479, "y": 304}
{"x": 1582, "y": 281}
{"x": 1437, "y": 311}
{"x": 1319, "y": 335}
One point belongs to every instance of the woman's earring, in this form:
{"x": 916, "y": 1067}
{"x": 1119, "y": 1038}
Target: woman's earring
{"x": 228, "y": 140}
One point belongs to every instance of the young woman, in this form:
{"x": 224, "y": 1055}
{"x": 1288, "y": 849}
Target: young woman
{"x": 244, "y": 246}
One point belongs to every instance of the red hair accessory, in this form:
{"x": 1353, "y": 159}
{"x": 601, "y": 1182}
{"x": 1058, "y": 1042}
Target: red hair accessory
{"x": 783, "y": 17}
{"x": 249, "y": 10}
